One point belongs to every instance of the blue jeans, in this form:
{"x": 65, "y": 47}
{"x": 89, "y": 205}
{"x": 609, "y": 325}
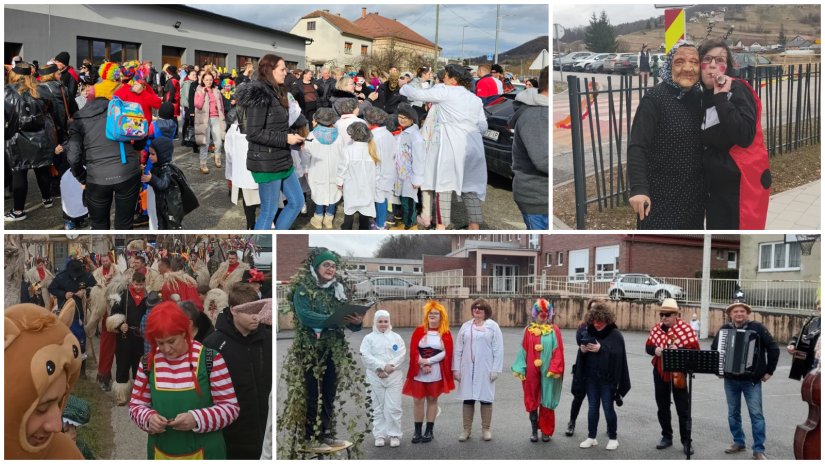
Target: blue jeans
{"x": 734, "y": 390}
{"x": 270, "y": 193}
{"x": 536, "y": 221}
{"x": 380, "y": 214}
{"x": 597, "y": 393}
{"x": 330, "y": 209}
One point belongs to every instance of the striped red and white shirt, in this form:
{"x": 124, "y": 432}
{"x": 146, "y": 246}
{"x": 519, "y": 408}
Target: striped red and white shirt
{"x": 174, "y": 374}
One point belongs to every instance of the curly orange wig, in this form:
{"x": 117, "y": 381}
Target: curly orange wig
{"x": 444, "y": 327}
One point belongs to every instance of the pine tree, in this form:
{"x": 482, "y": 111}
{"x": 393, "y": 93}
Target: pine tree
{"x": 600, "y": 35}
{"x": 782, "y": 40}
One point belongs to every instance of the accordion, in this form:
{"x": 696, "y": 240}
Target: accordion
{"x": 738, "y": 349}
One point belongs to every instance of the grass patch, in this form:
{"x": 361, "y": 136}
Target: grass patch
{"x": 789, "y": 170}
{"x": 97, "y": 434}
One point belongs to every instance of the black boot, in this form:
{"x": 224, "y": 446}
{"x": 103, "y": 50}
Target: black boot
{"x": 571, "y": 428}
{"x": 417, "y": 435}
{"x": 428, "y": 433}
{"x": 534, "y": 426}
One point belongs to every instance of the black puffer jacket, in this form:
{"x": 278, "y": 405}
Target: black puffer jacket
{"x": 28, "y": 144}
{"x": 249, "y": 360}
{"x": 325, "y": 90}
{"x": 267, "y": 128}
{"x": 52, "y": 93}
{"x": 92, "y": 157}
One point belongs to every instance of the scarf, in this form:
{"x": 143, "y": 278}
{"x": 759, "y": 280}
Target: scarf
{"x": 325, "y": 135}
{"x": 340, "y": 293}
{"x": 137, "y": 296}
{"x": 680, "y": 334}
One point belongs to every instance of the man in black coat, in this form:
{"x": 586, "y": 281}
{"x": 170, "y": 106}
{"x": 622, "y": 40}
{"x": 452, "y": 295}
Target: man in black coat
{"x": 326, "y": 84}
{"x": 246, "y": 346}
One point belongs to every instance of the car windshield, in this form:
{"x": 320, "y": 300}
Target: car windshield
{"x": 654, "y": 280}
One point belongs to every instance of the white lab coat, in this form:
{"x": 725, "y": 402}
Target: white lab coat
{"x": 357, "y": 172}
{"x": 236, "y": 147}
{"x": 385, "y": 142}
{"x": 377, "y": 350}
{"x": 458, "y": 165}
{"x": 478, "y": 353}
{"x": 321, "y": 161}
{"x": 410, "y": 145}
{"x": 345, "y": 121}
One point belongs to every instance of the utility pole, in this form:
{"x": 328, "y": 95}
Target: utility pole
{"x": 435, "y": 62}
{"x": 498, "y": 28}
{"x": 705, "y": 297}
{"x": 462, "y": 44}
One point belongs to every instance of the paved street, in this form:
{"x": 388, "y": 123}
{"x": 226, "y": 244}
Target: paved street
{"x": 796, "y": 209}
{"x": 638, "y": 427}
{"x": 217, "y": 212}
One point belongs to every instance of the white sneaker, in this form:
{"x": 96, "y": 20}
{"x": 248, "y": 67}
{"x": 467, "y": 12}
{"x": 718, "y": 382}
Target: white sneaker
{"x": 612, "y": 444}
{"x": 395, "y": 442}
{"x": 379, "y": 442}
{"x": 590, "y": 442}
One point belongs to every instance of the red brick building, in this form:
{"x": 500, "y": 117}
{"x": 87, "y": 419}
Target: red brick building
{"x": 603, "y": 256}
{"x": 290, "y": 252}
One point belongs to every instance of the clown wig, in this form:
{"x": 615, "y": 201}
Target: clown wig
{"x": 444, "y": 326}
{"x": 166, "y": 320}
{"x": 542, "y": 306}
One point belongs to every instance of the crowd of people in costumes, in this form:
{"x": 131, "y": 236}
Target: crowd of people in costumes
{"x": 286, "y": 138}
{"x": 696, "y": 154}
{"x": 152, "y": 322}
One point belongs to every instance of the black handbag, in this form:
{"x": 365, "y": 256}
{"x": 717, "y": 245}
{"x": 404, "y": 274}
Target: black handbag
{"x": 189, "y": 136}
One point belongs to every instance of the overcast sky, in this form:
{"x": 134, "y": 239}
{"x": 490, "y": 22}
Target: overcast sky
{"x": 519, "y": 23}
{"x": 361, "y": 245}
{"x": 572, "y": 15}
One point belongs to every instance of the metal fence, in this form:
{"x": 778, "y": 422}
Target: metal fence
{"x": 796, "y": 296}
{"x": 791, "y": 103}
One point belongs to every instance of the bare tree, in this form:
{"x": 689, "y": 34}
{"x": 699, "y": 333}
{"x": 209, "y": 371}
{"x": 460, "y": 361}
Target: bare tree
{"x": 413, "y": 246}
{"x": 14, "y": 267}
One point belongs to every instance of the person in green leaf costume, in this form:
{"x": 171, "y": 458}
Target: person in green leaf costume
{"x": 320, "y": 370}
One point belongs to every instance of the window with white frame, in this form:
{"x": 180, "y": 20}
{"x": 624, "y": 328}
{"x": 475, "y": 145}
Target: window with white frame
{"x": 388, "y": 268}
{"x": 416, "y": 270}
{"x": 578, "y": 265}
{"x": 607, "y": 262}
{"x": 733, "y": 258}
{"x": 360, "y": 267}
{"x": 548, "y": 259}
{"x": 779, "y": 256}
{"x": 560, "y": 258}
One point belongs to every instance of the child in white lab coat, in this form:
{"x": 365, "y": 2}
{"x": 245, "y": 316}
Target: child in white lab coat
{"x": 322, "y": 150}
{"x": 409, "y": 164}
{"x": 357, "y": 174}
{"x": 384, "y": 140}
{"x": 383, "y": 352}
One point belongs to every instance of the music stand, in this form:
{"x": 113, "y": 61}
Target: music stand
{"x": 690, "y": 362}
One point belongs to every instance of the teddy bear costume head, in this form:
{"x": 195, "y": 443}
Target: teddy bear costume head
{"x": 39, "y": 351}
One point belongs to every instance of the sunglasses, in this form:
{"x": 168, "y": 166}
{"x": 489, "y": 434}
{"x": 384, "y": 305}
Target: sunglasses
{"x": 664, "y": 315}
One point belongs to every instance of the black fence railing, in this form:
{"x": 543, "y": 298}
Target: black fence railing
{"x": 601, "y": 116}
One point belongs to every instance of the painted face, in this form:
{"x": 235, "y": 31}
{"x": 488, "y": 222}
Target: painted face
{"x": 326, "y": 270}
{"x": 599, "y": 325}
{"x": 382, "y": 324}
{"x": 739, "y": 315}
{"x": 685, "y": 69}
{"x": 279, "y": 73}
{"x": 434, "y": 318}
{"x": 714, "y": 63}
{"x": 173, "y": 346}
{"x": 46, "y": 418}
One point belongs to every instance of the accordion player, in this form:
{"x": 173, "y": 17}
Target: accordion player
{"x": 738, "y": 351}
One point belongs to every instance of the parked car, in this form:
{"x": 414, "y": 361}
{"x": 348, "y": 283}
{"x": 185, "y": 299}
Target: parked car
{"x": 567, "y": 60}
{"x": 391, "y": 287}
{"x": 261, "y": 259}
{"x": 642, "y": 286}
{"x": 743, "y": 60}
{"x": 627, "y": 65}
{"x": 598, "y": 65}
{"x": 621, "y": 59}
{"x": 498, "y": 139}
{"x": 586, "y": 64}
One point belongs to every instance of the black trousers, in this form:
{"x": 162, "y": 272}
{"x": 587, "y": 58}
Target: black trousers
{"x": 663, "y": 391}
{"x": 98, "y": 199}
{"x": 20, "y": 185}
{"x": 326, "y": 388}
{"x": 363, "y": 222}
{"x": 128, "y": 351}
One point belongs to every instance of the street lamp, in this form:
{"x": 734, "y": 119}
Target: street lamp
{"x": 462, "y": 44}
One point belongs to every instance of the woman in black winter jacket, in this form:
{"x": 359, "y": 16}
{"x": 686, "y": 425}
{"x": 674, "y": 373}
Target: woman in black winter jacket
{"x": 61, "y": 108}
{"x": 30, "y": 138}
{"x": 266, "y": 107}
{"x": 95, "y": 162}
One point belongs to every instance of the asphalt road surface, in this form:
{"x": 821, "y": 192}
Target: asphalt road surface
{"x": 638, "y": 428}
{"x": 216, "y": 211}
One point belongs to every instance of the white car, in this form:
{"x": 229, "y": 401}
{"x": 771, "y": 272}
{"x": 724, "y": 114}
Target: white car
{"x": 642, "y": 286}
{"x": 589, "y": 64}
{"x": 391, "y": 287}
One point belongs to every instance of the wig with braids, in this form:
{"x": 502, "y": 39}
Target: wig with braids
{"x": 444, "y": 326}
{"x": 166, "y": 320}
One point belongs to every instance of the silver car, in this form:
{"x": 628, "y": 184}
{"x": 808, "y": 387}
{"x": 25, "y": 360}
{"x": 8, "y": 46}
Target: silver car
{"x": 642, "y": 286}
{"x": 391, "y": 287}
